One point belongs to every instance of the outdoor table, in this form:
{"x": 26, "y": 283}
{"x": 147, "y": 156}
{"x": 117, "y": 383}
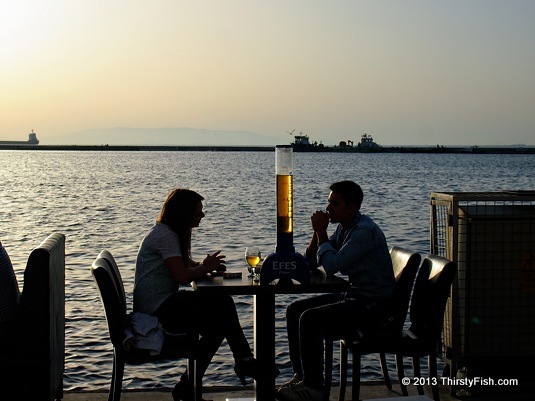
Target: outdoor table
{"x": 264, "y": 314}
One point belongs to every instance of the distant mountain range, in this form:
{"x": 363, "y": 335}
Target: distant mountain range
{"x": 161, "y": 137}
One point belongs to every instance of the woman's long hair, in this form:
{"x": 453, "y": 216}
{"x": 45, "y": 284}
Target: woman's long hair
{"x": 177, "y": 212}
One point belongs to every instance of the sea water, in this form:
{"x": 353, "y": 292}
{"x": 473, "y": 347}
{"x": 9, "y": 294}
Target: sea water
{"x": 108, "y": 200}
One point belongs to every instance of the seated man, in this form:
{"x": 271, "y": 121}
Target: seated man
{"x": 357, "y": 248}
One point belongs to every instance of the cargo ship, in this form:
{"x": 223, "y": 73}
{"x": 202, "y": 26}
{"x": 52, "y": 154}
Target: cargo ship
{"x": 32, "y": 141}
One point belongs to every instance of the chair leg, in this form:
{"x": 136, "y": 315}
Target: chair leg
{"x": 328, "y": 368}
{"x": 343, "y": 370}
{"x": 432, "y": 366}
{"x": 355, "y": 378}
{"x": 59, "y": 393}
{"x": 401, "y": 374}
{"x": 384, "y": 368}
{"x": 417, "y": 373}
{"x": 194, "y": 375}
{"x": 116, "y": 378}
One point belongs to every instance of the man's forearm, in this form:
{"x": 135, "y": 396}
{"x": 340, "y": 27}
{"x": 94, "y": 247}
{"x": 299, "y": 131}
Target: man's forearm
{"x": 321, "y": 237}
{"x": 317, "y": 239}
{"x": 312, "y": 248}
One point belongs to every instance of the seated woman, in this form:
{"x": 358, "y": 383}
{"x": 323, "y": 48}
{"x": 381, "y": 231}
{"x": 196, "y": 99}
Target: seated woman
{"x": 164, "y": 265}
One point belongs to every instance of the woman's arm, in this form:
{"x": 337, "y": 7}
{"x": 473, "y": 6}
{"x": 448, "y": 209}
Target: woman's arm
{"x": 185, "y": 275}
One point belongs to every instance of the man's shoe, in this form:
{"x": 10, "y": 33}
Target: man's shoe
{"x": 294, "y": 380}
{"x": 299, "y": 392}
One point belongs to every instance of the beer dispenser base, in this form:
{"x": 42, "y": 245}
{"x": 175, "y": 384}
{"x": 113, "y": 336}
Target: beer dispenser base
{"x": 285, "y": 269}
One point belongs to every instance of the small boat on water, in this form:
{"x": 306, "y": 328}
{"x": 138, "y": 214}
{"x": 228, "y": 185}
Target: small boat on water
{"x": 302, "y": 143}
{"x": 367, "y": 143}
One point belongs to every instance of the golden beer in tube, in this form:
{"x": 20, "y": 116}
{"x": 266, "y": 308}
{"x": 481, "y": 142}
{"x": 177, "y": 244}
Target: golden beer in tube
{"x": 285, "y": 266}
{"x": 285, "y": 203}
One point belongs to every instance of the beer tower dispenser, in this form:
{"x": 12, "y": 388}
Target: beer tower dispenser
{"x": 285, "y": 266}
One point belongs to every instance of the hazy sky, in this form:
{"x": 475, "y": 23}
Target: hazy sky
{"x": 405, "y": 71}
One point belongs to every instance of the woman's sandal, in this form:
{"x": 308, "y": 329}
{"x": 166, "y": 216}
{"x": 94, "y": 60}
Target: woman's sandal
{"x": 248, "y": 367}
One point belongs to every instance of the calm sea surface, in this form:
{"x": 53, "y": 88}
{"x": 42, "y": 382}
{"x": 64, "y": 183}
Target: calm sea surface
{"x": 108, "y": 200}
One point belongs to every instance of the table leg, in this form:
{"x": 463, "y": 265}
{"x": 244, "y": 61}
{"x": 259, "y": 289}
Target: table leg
{"x": 264, "y": 345}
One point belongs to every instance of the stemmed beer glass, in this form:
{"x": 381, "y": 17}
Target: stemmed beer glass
{"x": 252, "y": 256}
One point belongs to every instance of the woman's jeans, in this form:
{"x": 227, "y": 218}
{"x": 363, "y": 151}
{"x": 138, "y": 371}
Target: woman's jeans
{"x": 213, "y": 317}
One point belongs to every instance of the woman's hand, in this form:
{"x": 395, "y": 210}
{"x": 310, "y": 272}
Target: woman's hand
{"x": 215, "y": 262}
{"x": 186, "y": 274}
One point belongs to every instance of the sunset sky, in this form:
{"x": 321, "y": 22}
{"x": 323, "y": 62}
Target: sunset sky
{"x": 418, "y": 72}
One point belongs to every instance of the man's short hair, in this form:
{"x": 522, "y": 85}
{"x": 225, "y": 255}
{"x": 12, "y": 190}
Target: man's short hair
{"x": 350, "y": 191}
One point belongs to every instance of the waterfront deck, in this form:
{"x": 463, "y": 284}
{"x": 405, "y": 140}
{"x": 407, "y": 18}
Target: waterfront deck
{"x": 369, "y": 391}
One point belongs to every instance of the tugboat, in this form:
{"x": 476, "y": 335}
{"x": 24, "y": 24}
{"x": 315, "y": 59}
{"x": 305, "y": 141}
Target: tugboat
{"x": 302, "y": 143}
{"x": 367, "y": 143}
{"x": 302, "y": 140}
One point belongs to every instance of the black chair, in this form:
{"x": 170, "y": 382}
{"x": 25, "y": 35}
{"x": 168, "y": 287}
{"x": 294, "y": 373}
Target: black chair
{"x": 427, "y": 306}
{"x": 405, "y": 264}
{"x": 109, "y": 282}
{"x": 33, "y": 360}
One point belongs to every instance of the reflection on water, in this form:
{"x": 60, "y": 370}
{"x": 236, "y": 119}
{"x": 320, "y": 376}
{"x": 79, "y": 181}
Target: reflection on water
{"x": 108, "y": 200}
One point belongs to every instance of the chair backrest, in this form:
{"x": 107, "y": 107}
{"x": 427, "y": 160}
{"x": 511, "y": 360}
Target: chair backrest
{"x": 431, "y": 291}
{"x": 41, "y": 314}
{"x": 405, "y": 264}
{"x": 115, "y": 272}
{"x": 109, "y": 283}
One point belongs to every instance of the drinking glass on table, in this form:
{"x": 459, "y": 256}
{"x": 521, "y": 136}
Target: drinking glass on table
{"x": 252, "y": 256}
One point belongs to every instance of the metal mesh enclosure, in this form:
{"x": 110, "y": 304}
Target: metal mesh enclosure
{"x": 491, "y": 237}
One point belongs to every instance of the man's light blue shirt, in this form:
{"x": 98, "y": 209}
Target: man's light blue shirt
{"x": 361, "y": 252}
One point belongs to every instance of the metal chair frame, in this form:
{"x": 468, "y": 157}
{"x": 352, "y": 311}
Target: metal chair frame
{"x": 111, "y": 289}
